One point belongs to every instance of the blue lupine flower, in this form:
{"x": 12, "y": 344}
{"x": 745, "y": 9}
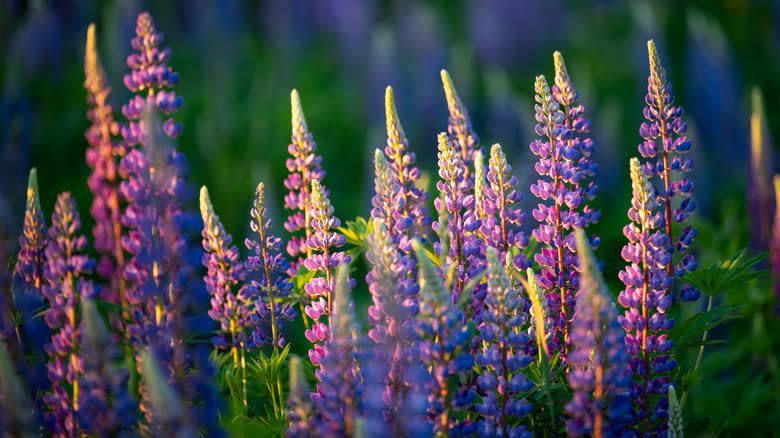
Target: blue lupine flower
{"x": 599, "y": 374}
{"x": 664, "y": 123}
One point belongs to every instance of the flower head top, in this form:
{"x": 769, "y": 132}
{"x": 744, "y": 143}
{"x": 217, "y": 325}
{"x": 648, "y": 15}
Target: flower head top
{"x": 558, "y": 214}
{"x": 567, "y": 96}
{"x": 646, "y": 300}
{"x": 32, "y": 243}
{"x": 304, "y": 167}
{"x": 408, "y": 215}
{"x": 65, "y": 287}
{"x": 268, "y": 260}
{"x": 664, "y": 122}
{"x": 325, "y": 258}
{"x": 459, "y": 126}
{"x": 149, "y": 73}
{"x": 599, "y": 373}
{"x": 502, "y": 356}
{"x": 103, "y": 182}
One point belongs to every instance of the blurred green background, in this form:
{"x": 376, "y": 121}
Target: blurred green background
{"x": 238, "y": 61}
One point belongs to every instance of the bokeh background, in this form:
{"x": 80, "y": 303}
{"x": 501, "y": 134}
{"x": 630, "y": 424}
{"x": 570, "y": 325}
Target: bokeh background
{"x": 238, "y": 61}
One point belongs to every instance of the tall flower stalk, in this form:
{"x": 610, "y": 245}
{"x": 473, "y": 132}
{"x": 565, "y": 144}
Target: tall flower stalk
{"x": 664, "y": 161}
{"x": 599, "y": 375}
{"x": 459, "y": 124}
{"x": 103, "y": 182}
{"x": 558, "y": 214}
{"x": 66, "y": 266}
{"x": 646, "y": 299}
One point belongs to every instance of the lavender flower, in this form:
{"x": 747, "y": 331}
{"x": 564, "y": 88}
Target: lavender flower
{"x": 304, "y": 167}
{"x": 560, "y": 187}
{"x": 273, "y": 267}
{"x": 502, "y": 357}
{"x": 444, "y": 347}
{"x": 459, "y": 124}
{"x": 102, "y": 182}
{"x": 646, "y": 299}
{"x": 324, "y": 259}
{"x": 338, "y": 400}
{"x": 454, "y": 187}
{"x": 599, "y": 374}
{"x": 664, "y": 122}
{"x": 149, "y": 72}
{"x": 408, "y": 217}
{"x": 65, "y": 288}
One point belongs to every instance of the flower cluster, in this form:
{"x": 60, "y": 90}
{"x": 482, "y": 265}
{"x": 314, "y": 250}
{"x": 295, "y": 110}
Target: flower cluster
{"x": 304, "y": 167}
{"x": 459, "y": 124}
{"x": 599, "y": 376}
{"x": 646, "y": 299}
{"x": 65, "y": 287}
{"x": 664, "y": 122}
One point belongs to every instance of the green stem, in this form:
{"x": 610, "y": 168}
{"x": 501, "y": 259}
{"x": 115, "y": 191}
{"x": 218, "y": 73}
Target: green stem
{"x": 698, "y": 357}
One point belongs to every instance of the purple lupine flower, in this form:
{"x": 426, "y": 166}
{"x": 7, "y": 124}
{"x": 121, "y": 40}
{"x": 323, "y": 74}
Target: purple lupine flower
{"x": 338, "y": 399}
{"x": 149, "y": 74}
{"x": 567, "y": 96}
{"x": 455, "y": 187}
{"x": 325, "y": 258}
{"x": 459, "y": 124}
{"x": 299, "y": 410}
{"x": 409, "y": 219}
{"x": 599, "y": 374}
{"x": 502, "y": 357}
{"x": 444, "y": 347}
{"x": 169, "y": 412}
{"x": 65, "y": 287}
{"x": 103, "y": 183}
{"x": 647, "y": 299}
{"x": 106, "y": 407}
{"x": 304, "y": 167}
{"x": 272, "y": 266}
{"x": 503, "y": 216}
{"x": 232, "y": 304}
{"x": 559, "y": 188}
{"x": 33, "y": 241}
{"x": 664, "y": 122}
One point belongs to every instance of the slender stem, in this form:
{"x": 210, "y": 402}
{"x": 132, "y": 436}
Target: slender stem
{"x": 243, "y": 371}
{"x": 701, "y": 352}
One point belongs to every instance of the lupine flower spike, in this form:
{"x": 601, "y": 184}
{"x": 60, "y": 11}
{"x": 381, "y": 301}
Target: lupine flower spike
{"x": 664, "y": 123}
{"x": 324, "y": 243}
{"x": 502, "y": 357}
{"x": 169, "y": 416}
{"x": 15, "y": 405}
{"x": 304, "y": 167}
{"x": 558, "y": 214}
{"x": 66, "y": 266}
{"x": 32, "y": 243}
{"x": 408, "y": 219}
{"x": 760, "y": 195}
{"x": 675, "y": 415}
{"x": 103, "y": 182}
{"x": 646, "y": 300}
{"x": 459, "y": 124}
{"x": 774, "y": 247}
{"x": 599, "y": 373}
{"x": 299, "y": 409}
{"x": 445, "y": 348}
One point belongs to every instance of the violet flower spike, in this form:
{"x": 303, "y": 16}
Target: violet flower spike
{"x": 459, "y": 124}
{"x": 502, "y": 357}
{"x": 646, "y": 300}
{"x": 33, "y": 242}
{"x": 409, "y": 218}
{"x": 664, "y": 122}
{"x": 150, "y": 73}
{"x": 66, "y": 265}
{"x": 304, "y": 167}
{"x": 103, "y": 182}
{"x": 325, "y": 258}
{"x": 268, "y": 260}
{"x": 299, "y": 409}
{"x": 599, "y": 374}
{"x": 559, "y": 188}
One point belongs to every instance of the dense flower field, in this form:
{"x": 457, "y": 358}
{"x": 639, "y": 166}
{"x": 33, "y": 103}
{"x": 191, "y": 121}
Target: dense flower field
{"x": 484, "y": 319}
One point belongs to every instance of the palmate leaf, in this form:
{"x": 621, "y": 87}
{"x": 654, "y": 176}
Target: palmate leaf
{"x": 688, "y": 334}
{"x": 356, "y": 233}
{"x": 730, "y": 274}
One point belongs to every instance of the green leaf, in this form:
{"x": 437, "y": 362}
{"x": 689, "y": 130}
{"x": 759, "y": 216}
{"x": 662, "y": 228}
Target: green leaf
{"x": 724, "y": 276}
{"x": 688, "y": 333}
{"x": 356, "y": 232}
